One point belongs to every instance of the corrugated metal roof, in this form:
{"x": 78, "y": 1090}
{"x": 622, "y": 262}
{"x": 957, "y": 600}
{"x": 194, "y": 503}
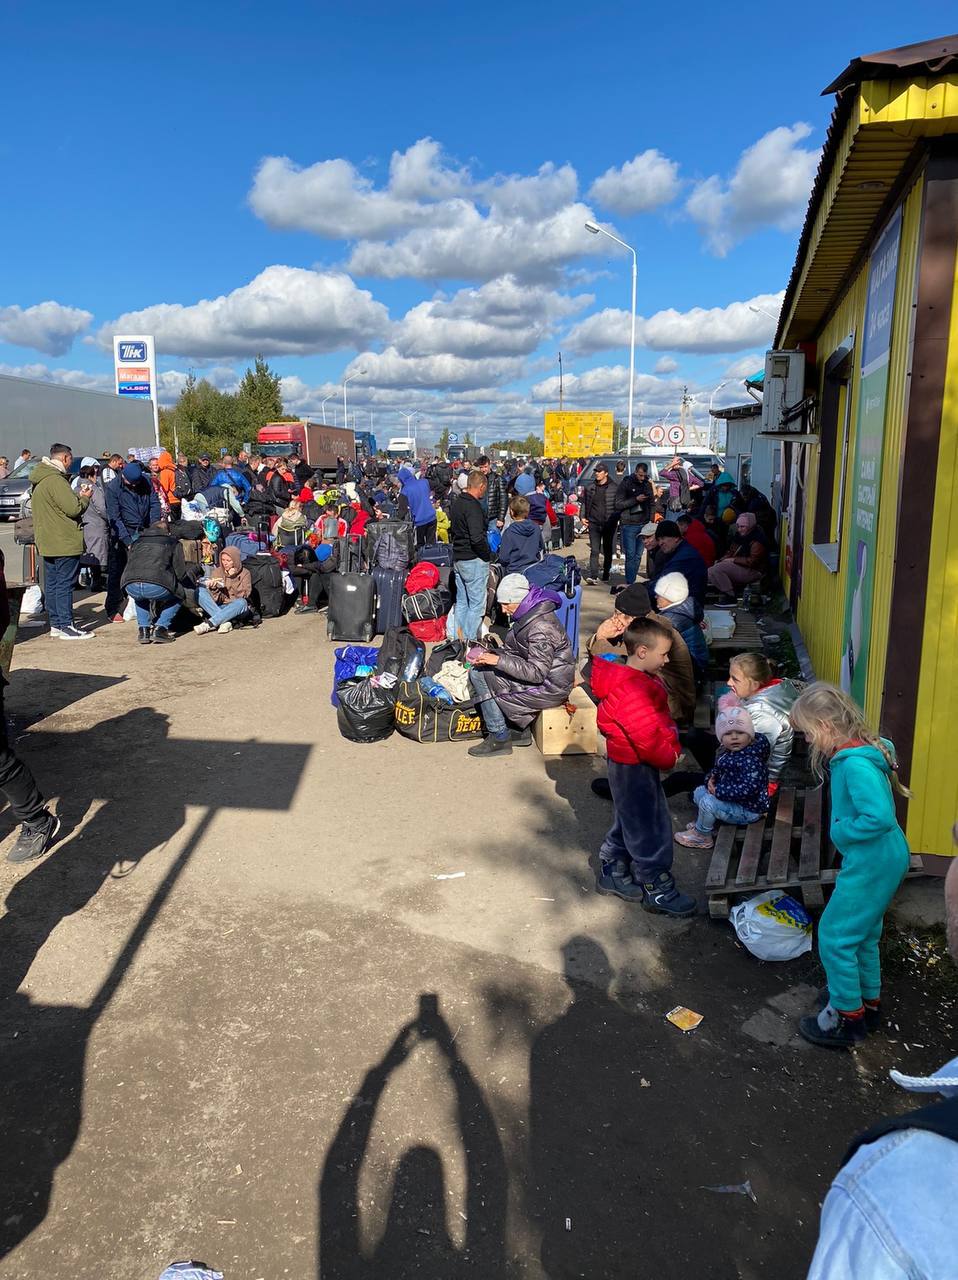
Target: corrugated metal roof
{"x": 930, "y": 57}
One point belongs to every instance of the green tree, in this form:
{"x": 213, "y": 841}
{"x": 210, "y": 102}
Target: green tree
{"x": 533, "y": 445}
{"x": 258, "y": 399}
{"x": 443, "y": 446}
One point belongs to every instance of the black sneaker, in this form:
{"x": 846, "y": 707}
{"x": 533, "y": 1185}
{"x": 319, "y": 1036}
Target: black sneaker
{"x": 848, "y": 1033}
{"x": 491, "y": 747}
{"x": 35, "y": 839}
{"x": 873, "y": 1014}
{"x": 615, "y": 881}
{"x": 144, "y": 635}
{"x": 661, "y": 895}
{"x": 602, "y": 788}
{"x": 522, "y": 737}
{"x": 162, "y": 636}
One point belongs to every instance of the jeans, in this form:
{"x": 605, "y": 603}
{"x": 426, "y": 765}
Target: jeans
{"x": 61, "y": 573}
{"x": 220, "y": 613}
{"x": 472, "y": 579}
{"x": 146, "y": 593}
{"x": 16, "y": 781}
{"x": 642, "y": 831}
{"x": 633, "y": 546}
{"x": 712, "y": 810}
{"x": 492, "y": 716}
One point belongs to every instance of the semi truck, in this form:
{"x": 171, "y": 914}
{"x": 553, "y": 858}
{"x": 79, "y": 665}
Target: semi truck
{"x": 365, "y": 445}
{"x": 401, "y": 447}
{"x": 318, "y": 445}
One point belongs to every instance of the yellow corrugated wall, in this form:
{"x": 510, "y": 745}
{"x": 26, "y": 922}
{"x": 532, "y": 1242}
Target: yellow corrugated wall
{"x": 934, "y": 778}
{"x": 895, "y": 414}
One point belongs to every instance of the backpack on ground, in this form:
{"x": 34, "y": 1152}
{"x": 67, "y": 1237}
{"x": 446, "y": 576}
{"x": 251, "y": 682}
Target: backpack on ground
{"x": 401, "y": 654}
{"x": 266, "y": 574}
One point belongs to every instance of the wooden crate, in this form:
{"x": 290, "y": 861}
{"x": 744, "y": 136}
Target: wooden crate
{"x": 787, "y": 849}
{"x": 569, "y": 730}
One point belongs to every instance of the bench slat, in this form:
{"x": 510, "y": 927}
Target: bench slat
{"x": 781, "y": 836}
{"x": 810, "y": 859}
{"x": 721, "y": 855}
{"x": 751, "y": 853}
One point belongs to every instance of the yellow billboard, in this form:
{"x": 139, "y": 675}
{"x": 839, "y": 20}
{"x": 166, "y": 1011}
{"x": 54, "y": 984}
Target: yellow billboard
{"x": 577, "y": 435}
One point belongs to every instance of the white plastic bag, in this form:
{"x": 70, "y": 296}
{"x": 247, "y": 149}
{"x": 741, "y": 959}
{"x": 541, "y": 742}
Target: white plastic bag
{"x": 129, "y": 613}
{"x": 773, "y": 926}
{"x": 32, "y": 603}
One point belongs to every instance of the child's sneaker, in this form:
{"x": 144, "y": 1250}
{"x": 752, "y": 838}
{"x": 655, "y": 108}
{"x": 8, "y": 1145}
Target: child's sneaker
{"x": 831, "y": 1029}
{"x": 692, "y": 838}
{"x": 874, "y": 1021}
{"x": 662, "y": 896}
{"x": 614, "y": 880}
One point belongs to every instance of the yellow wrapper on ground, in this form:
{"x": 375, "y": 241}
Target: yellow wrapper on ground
{"x": 684, "y": 1019}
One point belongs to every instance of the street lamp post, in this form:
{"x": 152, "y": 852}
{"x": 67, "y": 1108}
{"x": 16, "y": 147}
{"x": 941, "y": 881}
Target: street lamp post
{"x": 323, "y": 406}
{"x": 713, "y": 430}
{"x": 601, "y": 231}
{"x": 762, "y": 311}
{"x": 348, "y": 378}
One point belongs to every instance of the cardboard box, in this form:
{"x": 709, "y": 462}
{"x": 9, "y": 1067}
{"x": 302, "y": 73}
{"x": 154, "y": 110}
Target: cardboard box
{"x": 569, "y": 730}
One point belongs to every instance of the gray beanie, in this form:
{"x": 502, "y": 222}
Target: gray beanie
{"x": 513, "y": 588}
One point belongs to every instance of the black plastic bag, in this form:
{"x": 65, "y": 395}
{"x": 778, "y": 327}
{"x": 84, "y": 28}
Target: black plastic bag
{"x": 366, "y": 711}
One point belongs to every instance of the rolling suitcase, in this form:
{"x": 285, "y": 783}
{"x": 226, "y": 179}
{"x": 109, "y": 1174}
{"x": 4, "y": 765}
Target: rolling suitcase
{"x": 266, "y": 575}
{"x": 352, "y": 607}
{"x": 567, "y": 525}
{"x": 437, "y": 553}
{"x": 568, "y": 614}
{"x": 403, "y": 530}
{"x": 389, "y": 593}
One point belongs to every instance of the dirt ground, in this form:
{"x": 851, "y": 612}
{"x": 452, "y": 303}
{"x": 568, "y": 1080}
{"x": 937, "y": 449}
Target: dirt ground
{"x": 282, "y": 1046}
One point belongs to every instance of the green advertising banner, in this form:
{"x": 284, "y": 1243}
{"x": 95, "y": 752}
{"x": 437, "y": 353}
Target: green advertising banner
{"x": 869, "y": 446}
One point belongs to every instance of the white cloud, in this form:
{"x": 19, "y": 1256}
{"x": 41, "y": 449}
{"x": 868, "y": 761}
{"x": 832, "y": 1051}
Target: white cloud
{"x": 641, "y": 184}
{"x": 607, "y": 387}
{"x": 745, "y": 366}
{"x": 665, "y": 364}
{"x": 769, "y": 188}
{"x": 702, "y": 329}
{"x": 64, "y": 377}
{"x": 283, "y": 311}
{"x": 441, "y": 371}
{"x": 48, "y": 326}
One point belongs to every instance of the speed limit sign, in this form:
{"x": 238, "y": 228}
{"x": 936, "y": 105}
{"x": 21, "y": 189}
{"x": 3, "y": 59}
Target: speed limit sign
{"x": 656, "y": 434}
{"x": 676, "y": 435}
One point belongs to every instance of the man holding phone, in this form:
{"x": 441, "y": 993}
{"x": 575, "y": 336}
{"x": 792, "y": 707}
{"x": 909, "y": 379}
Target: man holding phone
{"x": 58, "y": 532}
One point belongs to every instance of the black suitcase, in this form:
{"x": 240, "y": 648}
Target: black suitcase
{"x": 403, "y": 530}
{"x": 350, "y": 555}
{"x": 567, "y": 525}
{"x": 437, "y": 553}
{"x": 267, "y": 578}
{"x": 352, "y": 607}
{"x": 389, "y": 593}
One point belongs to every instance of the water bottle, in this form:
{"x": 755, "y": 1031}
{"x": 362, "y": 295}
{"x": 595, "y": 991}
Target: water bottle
{"x": 433, "y": 689}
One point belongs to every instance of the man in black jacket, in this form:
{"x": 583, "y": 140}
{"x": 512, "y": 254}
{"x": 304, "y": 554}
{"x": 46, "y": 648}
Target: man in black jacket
{"x": 600, "y": 515}
{"x": 155, "y": 578}
{"x": 471, "y": 556}
{"x": 201, "y": 473}
{"x": 496, "y": 502}
{"x": 633, "y": 502}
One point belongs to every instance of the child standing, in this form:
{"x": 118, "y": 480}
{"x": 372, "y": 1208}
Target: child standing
{"x": 875, "y": 858}
{"x": 642, "y": 738}
{"x": 737, "y": 788}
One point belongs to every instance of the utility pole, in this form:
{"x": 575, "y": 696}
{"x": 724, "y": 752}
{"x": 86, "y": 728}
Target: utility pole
{"x": 560, "y": 381}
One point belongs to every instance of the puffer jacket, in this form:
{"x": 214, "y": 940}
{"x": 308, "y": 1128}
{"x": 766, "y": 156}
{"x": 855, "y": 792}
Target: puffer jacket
{"x": 769, "y": 708}
{"x": 633, "y": 715}
{"x": 536, "y": 668}
{"x": 157, "y": 557}
{"x": 683, "y": 618}
{"x": 633, "y": 501}
{"x": 497, "y": 500}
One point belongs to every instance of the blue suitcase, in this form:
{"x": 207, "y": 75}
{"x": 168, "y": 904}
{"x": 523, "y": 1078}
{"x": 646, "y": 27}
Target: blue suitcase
{"x": 437, "y": 553}
{"x": 568, "y": 614}
{"x": 390, "y": 584}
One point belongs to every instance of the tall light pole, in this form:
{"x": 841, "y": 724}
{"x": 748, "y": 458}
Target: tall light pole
{"x": 323, "y": 405}
{"x": 601, "y": 231}
{"x": 348, "y": 378}
{"x": 763, "y": 311}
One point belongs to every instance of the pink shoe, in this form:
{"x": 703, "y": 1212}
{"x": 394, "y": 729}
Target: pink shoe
{"x": 694, "y": 840}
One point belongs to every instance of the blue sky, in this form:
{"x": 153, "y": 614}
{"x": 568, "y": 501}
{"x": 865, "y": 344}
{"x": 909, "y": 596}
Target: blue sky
{"x": 402, "y": 188}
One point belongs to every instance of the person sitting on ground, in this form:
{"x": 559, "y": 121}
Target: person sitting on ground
{"x": 290, "y": 528}
{"x": 745, "y": 560}
{"x": 522, "y": 540}
{"x": 675, "y": 555}
{"x": 533, "y": 671}
{"x": 641, "y": 738}
{"x": 716, "y": 529}
{"x": 674, "y": 602}
{"x": 736, "y": 790}
{"x": 224, "y": 594}
{"x": 696, "y": 535}
{"x": 314, "y": 566}
{"x": 757, "y": 504}
{"x": 156, "y": 580}
{"x": 653, "y": 552}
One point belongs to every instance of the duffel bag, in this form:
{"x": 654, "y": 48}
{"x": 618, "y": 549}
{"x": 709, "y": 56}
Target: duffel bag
{"x": 448, "y": 651}
{"x": 549, "y": 573}
{"x": 426, "y": 719}
{"x": 366, "y": 711}
{"x": 430, "y": 631}
{"x": 427, "y": 605}
{"x": 186, "y": 530}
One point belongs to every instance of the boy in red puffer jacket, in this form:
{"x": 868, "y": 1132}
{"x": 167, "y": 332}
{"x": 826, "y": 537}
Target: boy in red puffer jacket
{"x": 641, "y": 738}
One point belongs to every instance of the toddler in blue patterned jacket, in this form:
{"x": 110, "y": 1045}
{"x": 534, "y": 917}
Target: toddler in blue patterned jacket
{"x": 737, "y": 788}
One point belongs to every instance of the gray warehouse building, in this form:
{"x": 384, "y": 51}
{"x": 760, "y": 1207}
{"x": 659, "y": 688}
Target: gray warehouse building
{"x": 35, "y": 414}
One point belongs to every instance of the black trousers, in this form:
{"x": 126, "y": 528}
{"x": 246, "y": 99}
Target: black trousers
{"x": 114, "y": 572}
{"x": 426, "y": 534}
{"x": 16, "y": 781}
{"x": 601, "y": 539}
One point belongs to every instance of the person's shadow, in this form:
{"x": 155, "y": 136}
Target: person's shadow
{"x": 416, "y": 1241}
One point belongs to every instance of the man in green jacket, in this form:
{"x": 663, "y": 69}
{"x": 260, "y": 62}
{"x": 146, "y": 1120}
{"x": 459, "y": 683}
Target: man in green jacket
{"x": 58, "y": 533}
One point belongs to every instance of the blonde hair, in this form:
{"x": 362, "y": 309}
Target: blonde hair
{"x": 754, "y": 666}
{"x": 828, "y": 717}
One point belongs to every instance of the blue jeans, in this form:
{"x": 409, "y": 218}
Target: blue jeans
{"x": 492, "y": 716}
{"x": 59, "y": 578}
{"x": 712, "y": 810}
{"x": 220, "y": 613}
{"x": 143, "y": 594}
{"x": 632, "y": 546}
{"x": 472, "y": 578}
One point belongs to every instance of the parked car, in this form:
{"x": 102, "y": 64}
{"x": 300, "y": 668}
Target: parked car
{"x": 656, "y": 462}
{"x": 17, "y": 483}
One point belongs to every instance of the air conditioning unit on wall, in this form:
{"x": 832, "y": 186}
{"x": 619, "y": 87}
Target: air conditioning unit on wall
{"x": 785, "y": 408}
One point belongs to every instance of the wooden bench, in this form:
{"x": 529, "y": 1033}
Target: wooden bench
{"x": 787, "y": 849}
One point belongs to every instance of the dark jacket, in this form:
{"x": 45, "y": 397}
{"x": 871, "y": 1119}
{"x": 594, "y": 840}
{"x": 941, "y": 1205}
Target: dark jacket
{"x": 599, "y": 502}
{"x": 536, "y": 668}
{"x": 158, "y": 558}
{"x": 467, "y": 529}
{"x": 280, "y": 490}
{"x": 497, "y": 500}
{"x": 741, "y": 777}
{"x": 685, "y": 560}
{"x": 538, "y": 512}
{"x": 521, "y": 546}
{"x": 183, "y": 482}
{"x": 684, "y": 618}
{"x": 633, "y": 501}
{"x": 202, "y": 477}
{"x": 132, "y": 508}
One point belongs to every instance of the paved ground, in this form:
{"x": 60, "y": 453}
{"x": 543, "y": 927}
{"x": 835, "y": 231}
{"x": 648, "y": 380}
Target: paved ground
{"x": 281, "y": 1045}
